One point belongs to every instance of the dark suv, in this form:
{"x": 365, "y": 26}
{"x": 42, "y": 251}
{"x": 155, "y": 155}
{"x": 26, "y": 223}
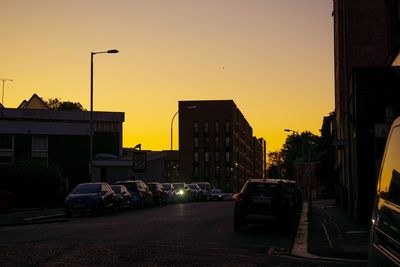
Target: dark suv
{"x": 264, "y": 199}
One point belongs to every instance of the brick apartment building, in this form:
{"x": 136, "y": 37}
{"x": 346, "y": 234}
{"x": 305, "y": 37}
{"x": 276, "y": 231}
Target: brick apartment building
{"x": 216, "y": 144}
{"x": 366, "y": 43}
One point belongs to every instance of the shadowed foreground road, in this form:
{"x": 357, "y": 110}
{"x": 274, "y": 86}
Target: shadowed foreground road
{"x": 192, "y": 234}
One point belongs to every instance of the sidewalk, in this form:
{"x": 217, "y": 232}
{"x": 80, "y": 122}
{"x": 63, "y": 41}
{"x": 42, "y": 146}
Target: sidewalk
{"x": 32, "y": 216}
{"x": 331, "y": 235}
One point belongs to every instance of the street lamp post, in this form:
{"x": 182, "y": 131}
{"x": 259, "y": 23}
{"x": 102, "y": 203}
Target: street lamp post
{"x": 112, "y": 51}
{"x": 2, "y": 94}
{"x": 172, "y": 123}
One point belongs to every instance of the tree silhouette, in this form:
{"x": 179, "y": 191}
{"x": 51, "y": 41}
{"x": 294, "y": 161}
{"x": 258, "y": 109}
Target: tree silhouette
{"x": 57, "y": 104}
{"x": 275, "y": 164}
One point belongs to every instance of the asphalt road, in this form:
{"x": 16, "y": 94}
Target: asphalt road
{"x": 189, "y": 234}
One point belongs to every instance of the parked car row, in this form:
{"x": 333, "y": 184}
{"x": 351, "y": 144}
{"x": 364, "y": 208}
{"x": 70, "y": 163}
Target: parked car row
{"x": 101, "y": 197}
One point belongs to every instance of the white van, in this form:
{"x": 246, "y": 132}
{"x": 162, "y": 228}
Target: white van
{"x": 384, "y": 243}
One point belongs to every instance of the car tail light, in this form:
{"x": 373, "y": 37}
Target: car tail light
{"x": 239, "y": 197}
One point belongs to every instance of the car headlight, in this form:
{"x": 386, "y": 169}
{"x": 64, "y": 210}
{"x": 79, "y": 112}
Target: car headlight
{"x": 181, "y": 192}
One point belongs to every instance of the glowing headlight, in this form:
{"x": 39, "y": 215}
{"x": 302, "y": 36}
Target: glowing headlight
{"x": 181, "y": 192}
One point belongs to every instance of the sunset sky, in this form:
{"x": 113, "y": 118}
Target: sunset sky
{"x": 273, "y": 58}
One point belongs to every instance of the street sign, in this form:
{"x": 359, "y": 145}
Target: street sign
{"x": 340, "y": 142}
{"x": 139, "y": 161}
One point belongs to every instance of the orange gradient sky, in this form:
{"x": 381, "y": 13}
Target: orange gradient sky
{"x": 273, "y": 58}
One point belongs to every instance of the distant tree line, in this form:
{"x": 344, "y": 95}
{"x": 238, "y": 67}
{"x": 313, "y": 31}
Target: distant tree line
{"x": 280, "y": 164}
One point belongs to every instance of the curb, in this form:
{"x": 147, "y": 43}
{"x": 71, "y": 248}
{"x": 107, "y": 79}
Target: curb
{"x": 59, "y": 217}
{"x": 300, "y": 244}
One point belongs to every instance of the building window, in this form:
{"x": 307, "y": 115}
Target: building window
{"x": 206, "y": 127}
{"x": 195, "y": 127}
{"x": 6, "y": 142}
{"x": 196, "y": 172}
{"x": 227, "y": 141}
{"x": 196, "y": 142}
{"x": 196, "y": 156}
{"x": 216, "y": 156}
{"x": 6, "y": 149}
{"x": 216, "y": 126}
{"x": 39, "y": 143}
{"x": 227, "y": 171}
{"x": 206, "y": 157}
{"x": 206, "y": 172}
{"x": 227, "y": 126}
{"x": 217, "y": 171}
{"x": 216, "y": 141}
{"x": 206, "y": 141}
{"x": 227, "y": 156}
{"x": 40, "y": 148}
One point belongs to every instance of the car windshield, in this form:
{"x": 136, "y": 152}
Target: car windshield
{"x": 167, "y": 186}
{"x": 86, "y": 189}
{"x": 152, "y": 186}
{"x": 132, "y": 187}
{"x": 179, "y": 186}
{"x": 116, "y": 188}
{"x": 193, "y": 186}
{"x": 202, "y": 186}
{"x": 263, "y": 188}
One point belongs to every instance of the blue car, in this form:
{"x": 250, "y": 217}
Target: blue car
{"x": 90, "y": 198}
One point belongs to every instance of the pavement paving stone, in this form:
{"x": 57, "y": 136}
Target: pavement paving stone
{"x": 333, "y": 234}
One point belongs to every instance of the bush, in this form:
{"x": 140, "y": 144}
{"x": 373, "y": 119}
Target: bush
{"x": 32, "y": 184}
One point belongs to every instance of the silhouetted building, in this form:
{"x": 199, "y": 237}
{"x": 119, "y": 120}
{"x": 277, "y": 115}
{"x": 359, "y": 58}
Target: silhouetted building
{"x": 33, "y": 132}
{"x": 366, "y": 35}
{"x": 163, "y": 166}
{"x": 216, "y": 145}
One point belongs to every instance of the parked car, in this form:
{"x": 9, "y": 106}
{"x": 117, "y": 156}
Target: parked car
{"x": 159, "y": 194}
{"x": 170, "y": 190}
{"x": 266, "y": 199}
{"x": 124, "y": 198}
{"x": 195, "y": 192}
{"x": 228, "y": 196}
{"x": 90, "y": 198}
{"x": 217, "y": 194}
{"x": 384, "y": 241}
{"x": 205, "y": 190}
{"x": 140, "y": 192}
{"x": 182, "y": 192}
